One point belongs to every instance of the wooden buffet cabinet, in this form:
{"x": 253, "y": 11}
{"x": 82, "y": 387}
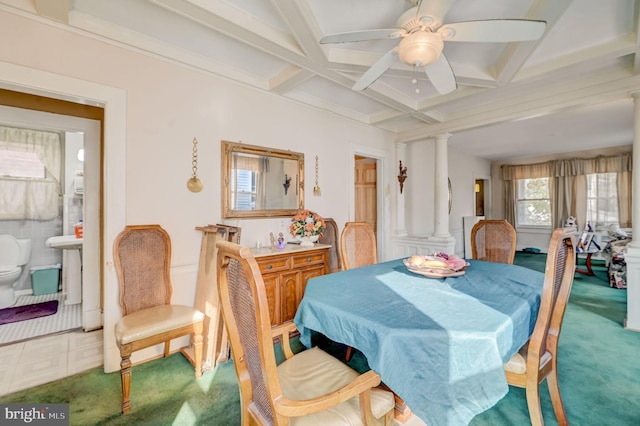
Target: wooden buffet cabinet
{"x": 285, "y": 273}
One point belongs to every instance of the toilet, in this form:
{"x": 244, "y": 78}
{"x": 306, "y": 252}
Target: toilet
{"x": 14, "y": 255}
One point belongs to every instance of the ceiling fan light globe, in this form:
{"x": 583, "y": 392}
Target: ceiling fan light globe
{"x": 420, "y": 48}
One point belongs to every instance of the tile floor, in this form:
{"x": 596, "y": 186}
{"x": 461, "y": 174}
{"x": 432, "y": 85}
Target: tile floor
{"x": 67, "y": 317}
{"x": 45, "y": 359}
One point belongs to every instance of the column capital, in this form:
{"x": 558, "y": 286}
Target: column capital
{"x": 442, "y": 136}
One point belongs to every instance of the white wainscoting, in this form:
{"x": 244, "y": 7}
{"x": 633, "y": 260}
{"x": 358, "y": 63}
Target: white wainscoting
{"x": 408, "y": 246}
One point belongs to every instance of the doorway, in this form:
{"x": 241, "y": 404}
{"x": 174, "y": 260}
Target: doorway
{"x": 366, "y": 190}
{"x": 479, "y": 191}
{"x": 368, "y": 204}
{"x": 482, "y": 197}
{"x": 82, "y": 127}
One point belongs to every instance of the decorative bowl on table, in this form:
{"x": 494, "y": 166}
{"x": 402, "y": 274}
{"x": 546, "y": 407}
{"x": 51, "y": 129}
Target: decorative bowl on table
{"x": 439, "y": 265}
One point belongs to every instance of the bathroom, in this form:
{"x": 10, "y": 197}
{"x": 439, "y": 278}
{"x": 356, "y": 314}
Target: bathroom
{"x": 70, "y": 210}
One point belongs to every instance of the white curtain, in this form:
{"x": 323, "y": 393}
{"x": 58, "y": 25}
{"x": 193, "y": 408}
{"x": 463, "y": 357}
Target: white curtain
{"x": 34, "y": 199}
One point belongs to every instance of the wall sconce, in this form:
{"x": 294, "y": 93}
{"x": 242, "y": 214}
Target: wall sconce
{"x": 194, "y": 184}
{"x": 402, "y": 176}
{"x": 316, "y": 189}
{"x": 477, "y": 187}
{"x": 286, "y": 184}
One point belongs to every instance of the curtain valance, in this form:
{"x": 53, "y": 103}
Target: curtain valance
{"x": 569, "y": 167}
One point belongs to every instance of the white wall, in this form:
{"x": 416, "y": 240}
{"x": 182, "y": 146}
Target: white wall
{"x": 166, "y": 106}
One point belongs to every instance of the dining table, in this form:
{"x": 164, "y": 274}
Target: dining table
{"x": 438, "y": 343}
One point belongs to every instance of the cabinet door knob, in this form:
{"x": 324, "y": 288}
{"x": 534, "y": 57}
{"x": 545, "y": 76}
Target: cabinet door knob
{"x": 308, "y": 259}
{"x": 269, "y": 266}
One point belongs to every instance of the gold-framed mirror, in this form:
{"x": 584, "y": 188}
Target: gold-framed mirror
{"x": 261, "y": 182}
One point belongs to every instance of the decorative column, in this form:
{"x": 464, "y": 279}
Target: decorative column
{"x": 400, "y": 206}
{"x": 441, "y": 240}
{"x": 632, "y": 256}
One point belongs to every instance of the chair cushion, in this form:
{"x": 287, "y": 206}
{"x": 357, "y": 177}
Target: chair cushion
{"x": 312, "y": 373}
{"x": 157, "y": 320}
{"x": 518, "y": 363}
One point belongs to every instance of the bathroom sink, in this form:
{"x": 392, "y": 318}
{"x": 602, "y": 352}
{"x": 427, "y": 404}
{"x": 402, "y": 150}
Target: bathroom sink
{"x": 68, "y": 242}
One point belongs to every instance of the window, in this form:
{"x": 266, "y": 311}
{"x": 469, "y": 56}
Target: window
{"x": 602, "y": 199}
{"x": 243, "y": 189}
{"x": 533, "y": 207}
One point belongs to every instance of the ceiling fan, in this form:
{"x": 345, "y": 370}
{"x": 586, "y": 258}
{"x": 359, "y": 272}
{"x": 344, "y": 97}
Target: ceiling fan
{"x": 423, "y": 34}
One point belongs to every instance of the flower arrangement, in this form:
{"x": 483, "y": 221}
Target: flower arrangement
{"x": 306, "y": 224}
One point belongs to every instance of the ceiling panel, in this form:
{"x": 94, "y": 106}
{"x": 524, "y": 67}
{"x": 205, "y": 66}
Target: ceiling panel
{"x": 570, "y": 87}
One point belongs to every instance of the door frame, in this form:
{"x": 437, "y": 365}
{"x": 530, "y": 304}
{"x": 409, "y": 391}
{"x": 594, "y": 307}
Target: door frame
{"x": 487, "y": 193}
{"x": 113, "y": 196}
{"x": 380, "y": 157}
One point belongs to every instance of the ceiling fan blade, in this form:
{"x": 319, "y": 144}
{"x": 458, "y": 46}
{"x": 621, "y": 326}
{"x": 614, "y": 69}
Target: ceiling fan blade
{"x": 376, "y": 70}
{"x": 493, "y": 30}
{"x": 362, "y": 36}
{"x": 441, "y": 75}
{"x": 436, "y": 9}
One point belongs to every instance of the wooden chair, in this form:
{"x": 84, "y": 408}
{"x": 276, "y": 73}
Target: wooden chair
{"x": 538, "y": 359}
{"x": 310, "y": 387}
{"x": 142, "y": 256}
{"x": 330, "y": 237}
{"x": 358, "y": 245}
{"x": 357, "y": 248}
{"x": 493, "y": 241}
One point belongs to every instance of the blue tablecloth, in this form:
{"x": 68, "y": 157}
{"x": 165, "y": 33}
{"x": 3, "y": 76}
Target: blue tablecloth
{"x": 440, "y": 344}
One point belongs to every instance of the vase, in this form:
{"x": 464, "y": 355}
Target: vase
{"x": 307, "y": 241}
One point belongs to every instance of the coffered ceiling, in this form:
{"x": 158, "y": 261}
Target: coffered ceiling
{"x": 569, "y": 90}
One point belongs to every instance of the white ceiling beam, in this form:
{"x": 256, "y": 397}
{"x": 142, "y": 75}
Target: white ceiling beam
{"x": 299, "y": 17}
{"x": 636, "y": 27}
{"x": 54, "y": 9}
{"x": 554, "y": 98}
{"x": 583, "y": 60}
{"x": 288, "y": 79}
{"x": 515, "y": 55}
{"x": 230, "y": 21}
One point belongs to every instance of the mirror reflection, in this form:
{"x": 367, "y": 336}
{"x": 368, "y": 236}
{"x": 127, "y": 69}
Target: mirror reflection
{"x": 261, "y": 181}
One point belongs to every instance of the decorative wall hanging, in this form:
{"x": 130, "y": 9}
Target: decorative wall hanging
{"x": 316, "y": 189}
{"x": 287, "y": 183}
{"x": 402, "y": 176}
{"x": 194, "y": 184}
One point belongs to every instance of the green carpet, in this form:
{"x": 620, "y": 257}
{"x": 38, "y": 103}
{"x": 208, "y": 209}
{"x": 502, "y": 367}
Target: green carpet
{"x": 599, "y": 369}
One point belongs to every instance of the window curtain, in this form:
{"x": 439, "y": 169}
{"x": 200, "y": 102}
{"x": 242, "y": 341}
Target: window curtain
{"x": 34, "y": 199}
{"x": 568, "y": 185}
{"x": 624, "y": 199}
{"x": 510, "y": 176}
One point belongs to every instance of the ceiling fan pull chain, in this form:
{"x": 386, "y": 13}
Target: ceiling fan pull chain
{"x": 415, "y": 79}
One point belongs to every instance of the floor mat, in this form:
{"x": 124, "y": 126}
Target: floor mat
{"x": 27, "y": 312}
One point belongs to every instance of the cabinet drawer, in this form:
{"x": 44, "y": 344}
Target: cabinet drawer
{"x": 269, "y": 265}
{"x": 307, "y": 259}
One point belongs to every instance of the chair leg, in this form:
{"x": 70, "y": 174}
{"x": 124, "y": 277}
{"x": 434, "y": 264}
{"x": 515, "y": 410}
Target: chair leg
{"x": 533, "y": 403}
{"x": 347, "y": 356}
{"x": 167, "y": 347}
{"x": 125, "y": 376}
{"x": 196, "y": 340}
{"x": 556, "y": 398}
